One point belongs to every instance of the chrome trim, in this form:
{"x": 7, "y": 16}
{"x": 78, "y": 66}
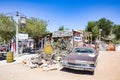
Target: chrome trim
{"x": 79, "y": 67}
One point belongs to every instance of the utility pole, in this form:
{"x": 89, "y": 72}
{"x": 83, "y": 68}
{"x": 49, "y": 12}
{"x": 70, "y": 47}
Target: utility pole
{"x": 17, "y": 14}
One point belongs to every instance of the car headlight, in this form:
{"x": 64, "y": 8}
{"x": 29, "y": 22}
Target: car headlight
{"x": 91, "y": 55}
{"x": 90, "y": 62}
{"x": 92, "y": 65}
{"x": 63, "y": 62}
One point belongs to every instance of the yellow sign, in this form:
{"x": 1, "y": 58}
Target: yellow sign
{"x": 48, "y": 49}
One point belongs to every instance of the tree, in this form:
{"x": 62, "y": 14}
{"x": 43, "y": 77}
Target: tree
{"x": 61, "y": 28}
{"x": 7, "y": 27}
{"x": 35, "y": 28}
{"x": 106, "y": 26}
{"x": 95, "y": 32}
{"x": 92, "y": 27}
{"x": 116, "y": 31}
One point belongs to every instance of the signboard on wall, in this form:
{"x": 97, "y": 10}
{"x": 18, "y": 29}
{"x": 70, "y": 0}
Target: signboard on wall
{"x": 62, "y": 33}
{"x": 22, "y": 36}
{"x": 77, "y": 38}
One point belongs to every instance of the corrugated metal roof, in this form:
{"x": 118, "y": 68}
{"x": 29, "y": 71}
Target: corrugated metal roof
{"x": 62, "y": 33}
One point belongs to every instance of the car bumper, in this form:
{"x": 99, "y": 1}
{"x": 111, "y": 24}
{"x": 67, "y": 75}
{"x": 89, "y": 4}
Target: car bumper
{"x": 84, "y": 68}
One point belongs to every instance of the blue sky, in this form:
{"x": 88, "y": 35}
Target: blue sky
{"x": 73, "y": 14}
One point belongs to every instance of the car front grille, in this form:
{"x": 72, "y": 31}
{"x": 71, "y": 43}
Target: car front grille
{"x": 76, "y": 64}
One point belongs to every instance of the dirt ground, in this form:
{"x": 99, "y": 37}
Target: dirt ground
{"x": 108, "y": 68}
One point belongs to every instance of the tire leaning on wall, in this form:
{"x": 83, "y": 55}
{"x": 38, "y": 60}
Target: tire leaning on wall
{"x": 10, "y": 57}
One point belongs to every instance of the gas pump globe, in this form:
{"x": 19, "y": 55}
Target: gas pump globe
{"x": 23, "y": 22}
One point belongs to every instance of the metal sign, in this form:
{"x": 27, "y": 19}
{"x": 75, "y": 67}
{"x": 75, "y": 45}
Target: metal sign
{"x": 62, "y": 33}
{"x": 77, "y": 38}
{"x": 22, "y": 36}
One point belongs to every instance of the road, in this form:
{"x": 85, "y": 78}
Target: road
{"x": 108, "y": 68}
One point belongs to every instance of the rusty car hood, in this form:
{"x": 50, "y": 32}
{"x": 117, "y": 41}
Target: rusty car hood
{"x": 83, "y": 57}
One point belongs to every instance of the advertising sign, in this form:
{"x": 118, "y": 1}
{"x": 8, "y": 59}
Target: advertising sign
{"x": 62, "y": 33}
{"x": 22, "y": 36}
{"x": 77, "y": 38}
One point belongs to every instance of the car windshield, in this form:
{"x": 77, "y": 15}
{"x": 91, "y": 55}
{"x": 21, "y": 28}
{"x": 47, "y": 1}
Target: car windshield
{"x": 83, "y": 50}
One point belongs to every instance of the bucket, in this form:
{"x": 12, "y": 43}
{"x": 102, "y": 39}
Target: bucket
{"x": 9, "y": 57}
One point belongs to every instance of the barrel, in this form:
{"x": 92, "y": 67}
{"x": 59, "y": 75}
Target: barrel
{"x": 107, "y": 48}
{"x": 48, "y": 49}
{"x": 10, "y": 57}
{"x": 113, "y": 48}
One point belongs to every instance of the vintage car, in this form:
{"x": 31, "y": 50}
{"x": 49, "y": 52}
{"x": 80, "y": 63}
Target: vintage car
{"x": 81, "y": 58}
{"x": 4, "y": 48}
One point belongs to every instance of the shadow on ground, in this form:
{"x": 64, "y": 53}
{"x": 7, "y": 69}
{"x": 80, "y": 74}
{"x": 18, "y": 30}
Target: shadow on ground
{"x": 77, "y": 71}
